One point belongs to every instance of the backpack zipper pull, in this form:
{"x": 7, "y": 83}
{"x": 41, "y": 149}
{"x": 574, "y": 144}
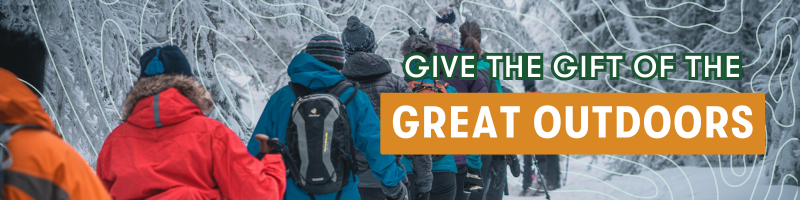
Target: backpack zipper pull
{"x": 299, "y": 99}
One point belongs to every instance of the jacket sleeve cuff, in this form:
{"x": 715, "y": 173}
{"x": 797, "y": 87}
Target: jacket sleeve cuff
{"x": 270, "y": 158}
{"x": 260, "y": 156}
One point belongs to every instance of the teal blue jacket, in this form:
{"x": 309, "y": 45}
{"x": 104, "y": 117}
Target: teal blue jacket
{"x": 364, "y": 122}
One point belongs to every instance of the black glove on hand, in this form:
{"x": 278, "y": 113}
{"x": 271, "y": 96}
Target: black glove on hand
{"x": 513, "y": 163}
{"x": 423, "y": 196}
{"x": 423, "y": 33}
{"x": 473, "y": 181}
{"x": 411, "y": 31}
{"x": 398, "y": 192}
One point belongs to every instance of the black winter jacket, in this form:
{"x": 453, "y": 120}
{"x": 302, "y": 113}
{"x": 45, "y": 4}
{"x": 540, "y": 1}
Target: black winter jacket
{"x": 374, "y": 76}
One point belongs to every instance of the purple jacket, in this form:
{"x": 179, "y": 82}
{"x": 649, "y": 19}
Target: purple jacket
{"x": 462, "y": 86}
{"x": 460, "y": 159}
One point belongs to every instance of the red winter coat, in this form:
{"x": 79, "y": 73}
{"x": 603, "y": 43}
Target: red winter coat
{"x": 167, "y": 149}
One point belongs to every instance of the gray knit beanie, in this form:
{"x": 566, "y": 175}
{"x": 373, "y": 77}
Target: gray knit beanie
{"x": 357, "y": 37}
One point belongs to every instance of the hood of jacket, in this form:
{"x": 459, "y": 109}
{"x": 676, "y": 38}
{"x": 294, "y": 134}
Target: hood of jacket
{"x": 18, "y": 104}
{"x": 363, "y": 65}
{"x": 443, "y": 48}
{"x": 165, "y": 100}
{"x": 312, "y": 73}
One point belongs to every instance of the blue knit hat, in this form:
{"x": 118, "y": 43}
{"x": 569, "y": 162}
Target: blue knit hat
{"x": 357, "y": 37}
{"x": 328, "y": 49}
{"x": 164, "y": 60}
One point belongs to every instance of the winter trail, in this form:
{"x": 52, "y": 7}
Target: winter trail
{"x": 703, "y": 184}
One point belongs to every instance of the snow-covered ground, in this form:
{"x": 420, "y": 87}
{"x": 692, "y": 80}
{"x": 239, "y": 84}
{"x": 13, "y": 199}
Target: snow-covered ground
{"x": 585, "y": 181}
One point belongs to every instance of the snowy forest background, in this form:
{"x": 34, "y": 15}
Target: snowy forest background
{"x": 240, "y": 48}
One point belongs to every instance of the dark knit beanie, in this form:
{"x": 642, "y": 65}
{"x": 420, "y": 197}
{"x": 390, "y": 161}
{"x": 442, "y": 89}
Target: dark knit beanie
{"x": 357, "y": 37}
{"x": 530, "y": 85}
{"x": 446, "y": 15}
{"x": 328, "y": 49}
{"x": 25, "y": 56}
{"x": 164, "y": 60}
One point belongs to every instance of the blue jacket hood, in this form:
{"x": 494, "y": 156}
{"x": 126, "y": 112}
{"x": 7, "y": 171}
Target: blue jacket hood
{"x": 312, "y": 73}
{"x": 365, "y": 126}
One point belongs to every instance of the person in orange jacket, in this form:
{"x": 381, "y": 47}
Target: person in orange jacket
{"x": 43, "y": 165}
{"x": 168, "y": 149}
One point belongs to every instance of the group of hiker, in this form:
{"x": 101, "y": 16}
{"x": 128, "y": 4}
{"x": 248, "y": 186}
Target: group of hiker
{"x": 317, "y": 138}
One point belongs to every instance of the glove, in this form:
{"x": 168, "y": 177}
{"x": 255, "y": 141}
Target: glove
{"x": 473, "y": 181}
{"x": 423, "y": 196}
{"x": 411, "y": 31}
{"x": 513, "y": 163}
{"x": 423, "y": 33}
{"x": 398, "y": 192}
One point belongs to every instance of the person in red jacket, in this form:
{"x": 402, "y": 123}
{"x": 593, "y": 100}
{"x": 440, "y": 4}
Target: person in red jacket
{"x": 167, "y": 149}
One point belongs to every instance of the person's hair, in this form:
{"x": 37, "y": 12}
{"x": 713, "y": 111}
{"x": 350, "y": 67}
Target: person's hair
{"x": 470, "y": 36}
{"x": 418, "y": 44}
{"x": 24, "y": 55}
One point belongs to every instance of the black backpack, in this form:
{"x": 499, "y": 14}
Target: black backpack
{"x": 491, "y": 85}
{"x": 320, "y": 149}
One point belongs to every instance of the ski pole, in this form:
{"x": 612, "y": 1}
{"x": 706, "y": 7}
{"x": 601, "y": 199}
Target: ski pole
{"x": 539, "y": 171}
{"x": 566, "y": 172}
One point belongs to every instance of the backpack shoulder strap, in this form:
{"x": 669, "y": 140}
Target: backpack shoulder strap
{"x": 6, "y": 158}
{"x": 299, "y": 90}
{"x": 342, "y": 86}
{"x": 339, "y": 88}
{"x": 7, "y": 129}
{"x": 441, "y": 82}
{"x": 5, "y": 135}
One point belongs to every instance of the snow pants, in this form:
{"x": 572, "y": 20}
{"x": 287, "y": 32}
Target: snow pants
{"x": 497, "y": 179}
{"x": 485, "y": 174}
{"x": 527, "y": 172}
{"x": 443, "y": 186}
{"x": 549, "y": 166}
{"x": 460, "y": 176}
{"x": 371, "y": 194}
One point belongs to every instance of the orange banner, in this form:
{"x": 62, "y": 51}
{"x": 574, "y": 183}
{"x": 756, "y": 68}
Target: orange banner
{"x": 572, "y": 123}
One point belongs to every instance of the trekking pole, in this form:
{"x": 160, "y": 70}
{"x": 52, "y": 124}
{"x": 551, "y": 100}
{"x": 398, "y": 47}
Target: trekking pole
{"x": 539, "y": 171}
{"x": 566, "y": 172}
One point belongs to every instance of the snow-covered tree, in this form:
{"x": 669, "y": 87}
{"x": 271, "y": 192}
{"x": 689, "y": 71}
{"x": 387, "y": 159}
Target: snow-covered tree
{"x": 239, "y": 50}
{"x": 763, "y": 36}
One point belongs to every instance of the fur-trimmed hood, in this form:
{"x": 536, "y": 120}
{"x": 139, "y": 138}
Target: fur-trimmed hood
{"x": 149, "y": 86}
